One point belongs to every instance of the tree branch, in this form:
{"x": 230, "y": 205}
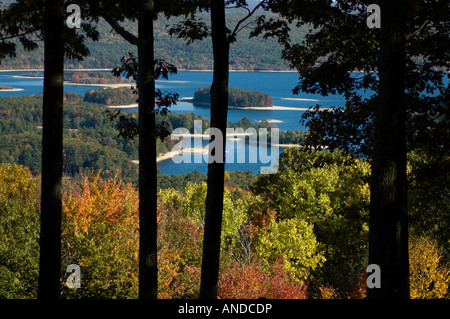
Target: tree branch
{"x": 237, "y": 28}
{"x": 3, "y": 38}
{"x": 131, "y": 38}
{"x": 408, "y": 36}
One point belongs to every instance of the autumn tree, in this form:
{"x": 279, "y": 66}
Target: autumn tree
{"x": 254, "y": 281}
{"x": 328, "y": 192}
{"x": 100, "y": 234}
{"x": 19, "y": 232}
{"x": 430, "y": 275}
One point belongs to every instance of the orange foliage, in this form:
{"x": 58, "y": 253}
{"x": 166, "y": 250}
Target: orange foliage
{"x": 100, "y": 234}
{"x": 252, "y": 282}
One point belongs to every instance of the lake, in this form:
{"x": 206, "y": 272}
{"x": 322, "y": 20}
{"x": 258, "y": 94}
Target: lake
{"x": 278, "y": 85}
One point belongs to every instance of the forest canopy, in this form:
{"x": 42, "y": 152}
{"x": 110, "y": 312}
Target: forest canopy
{"x": 111, "y": 96}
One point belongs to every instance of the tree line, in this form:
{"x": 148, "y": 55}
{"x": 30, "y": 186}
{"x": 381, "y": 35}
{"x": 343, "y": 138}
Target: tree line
{"x": 249, "y": 54}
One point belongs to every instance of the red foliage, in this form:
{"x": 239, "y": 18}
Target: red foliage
{"x": 252, "y": 282}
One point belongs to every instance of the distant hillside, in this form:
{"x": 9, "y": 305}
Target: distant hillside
{"x": 246, "y": 54}
{"x": 236, "y": 97}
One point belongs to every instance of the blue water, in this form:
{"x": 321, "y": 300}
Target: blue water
{"x": 278, "y": 85}
{"x": 239, "y": 157}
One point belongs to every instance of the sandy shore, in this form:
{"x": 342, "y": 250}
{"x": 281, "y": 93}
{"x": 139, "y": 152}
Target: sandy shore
{"x": 298, "y": 99}
{"x": 200, "y": 150}
{"x": 169, "y": 155}
{"x": 236, "y": 134}
{"x": 23, "y": 70}
{"x": 256, "y": 108}
{"x": 129, "y": 106}
{"x": 264, "y": 108}
{"x": 110, "y": 85}
{"x": 275, "y": 108}
{"x": 286, "y": 145}
{"x": 11, "y": 90}
{"x": 204, "y": 151}
{"x": 166, "y": 156}
{"x": 271, "y": 121}
{"x": 27, "y": 77}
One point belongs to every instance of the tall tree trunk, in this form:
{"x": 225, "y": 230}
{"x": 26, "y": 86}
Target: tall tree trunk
{"x": 148, "y": 271}
{"x": 49, "y": 286}
{"x": 216, "y": 170}
{"x": 388, "y": 239}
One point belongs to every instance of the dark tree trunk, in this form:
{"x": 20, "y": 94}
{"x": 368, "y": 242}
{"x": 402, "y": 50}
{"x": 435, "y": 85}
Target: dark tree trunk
{"x": 148, "y": 271}
{"x": 216, "y": 170}
{"x": 388, "y": 239}
{"x": 49, "y": 286}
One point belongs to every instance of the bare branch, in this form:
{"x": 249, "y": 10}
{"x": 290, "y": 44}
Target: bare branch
{"x": 237, "y": 28}
{"x": 3, "y": 38}
{"x": 408, "y": 36}
{"x": 131, "y": 38}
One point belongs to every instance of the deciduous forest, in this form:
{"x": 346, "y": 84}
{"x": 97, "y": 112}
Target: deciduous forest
{"x": 366, "y": 183}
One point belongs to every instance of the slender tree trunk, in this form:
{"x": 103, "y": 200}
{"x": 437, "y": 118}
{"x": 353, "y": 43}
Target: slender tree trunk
{"x": 52, "y": 153}
{"x": 148, "y": 271}
{"x": 216, "y": 171}
{"x": 388, "y": 246}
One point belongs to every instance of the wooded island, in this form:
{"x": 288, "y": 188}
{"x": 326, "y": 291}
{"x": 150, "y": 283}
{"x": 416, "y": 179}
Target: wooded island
{"x": 236, "y": 97}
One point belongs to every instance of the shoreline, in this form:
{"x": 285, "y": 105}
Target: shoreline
{"x": 276, "y": 108}
{"x": 179, "y": 70}
{"x": 270, "y": 121}
{"x": 11, "y": 90}
{"x": 201, "y": 150}
{"x": 169, "y": 155}
{"x": 110, "y": 85}
{"x": 128, "y": 106}
{"x": 184, "y": 70}
{"x": 299, "y": 99}
{"x": 201, "y": 135}
{"x": 254, "y": 108}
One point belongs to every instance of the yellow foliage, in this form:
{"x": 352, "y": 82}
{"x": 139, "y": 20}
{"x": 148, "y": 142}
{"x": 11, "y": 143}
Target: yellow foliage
{"x": 429, "y": 278}
{"x": 327, "y": 292}
{"x": 169, "y": 261}
{"x": 100, "y": 234}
